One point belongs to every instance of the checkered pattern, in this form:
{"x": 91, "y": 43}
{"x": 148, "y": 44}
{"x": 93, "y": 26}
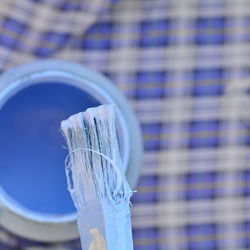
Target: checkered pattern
{"x": 185, "y": 68}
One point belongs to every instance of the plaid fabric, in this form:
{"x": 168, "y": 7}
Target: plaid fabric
{"x": 185, "y": 68}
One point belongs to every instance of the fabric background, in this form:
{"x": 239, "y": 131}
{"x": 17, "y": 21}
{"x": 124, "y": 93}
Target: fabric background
{"x": 185, "y": 68}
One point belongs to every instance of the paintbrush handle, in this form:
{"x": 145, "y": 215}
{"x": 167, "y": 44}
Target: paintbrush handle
{"x": 91, "y": 226}
{"x": 118, "y": 226}
{"x": 103, "y": 226}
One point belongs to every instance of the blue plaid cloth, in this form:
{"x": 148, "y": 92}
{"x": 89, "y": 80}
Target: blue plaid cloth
{"x": 184, "y": 67}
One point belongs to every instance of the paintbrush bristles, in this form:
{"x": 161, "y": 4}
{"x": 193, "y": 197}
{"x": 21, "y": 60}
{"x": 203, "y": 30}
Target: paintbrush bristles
{"x": 94, "y": 164}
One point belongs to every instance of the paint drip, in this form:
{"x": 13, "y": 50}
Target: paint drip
{"x": 97, "y": 185}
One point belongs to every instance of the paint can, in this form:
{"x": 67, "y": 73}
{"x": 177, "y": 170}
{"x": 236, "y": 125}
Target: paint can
{"x": 34, "y": 98}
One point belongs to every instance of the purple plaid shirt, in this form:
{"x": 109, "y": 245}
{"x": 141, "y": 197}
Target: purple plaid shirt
{"x": 184, "y": 67}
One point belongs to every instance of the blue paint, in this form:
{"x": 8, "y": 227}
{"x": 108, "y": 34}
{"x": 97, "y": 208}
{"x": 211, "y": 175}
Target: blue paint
{"x": 31, "y": 153}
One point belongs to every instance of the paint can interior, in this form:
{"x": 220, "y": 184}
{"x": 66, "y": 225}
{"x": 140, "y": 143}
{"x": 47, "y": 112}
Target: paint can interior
{"x": 34, "y": 99}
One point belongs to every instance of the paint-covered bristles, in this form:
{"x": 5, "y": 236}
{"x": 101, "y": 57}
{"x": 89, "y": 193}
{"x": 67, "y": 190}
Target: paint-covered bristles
{"x": 93, "y": 166}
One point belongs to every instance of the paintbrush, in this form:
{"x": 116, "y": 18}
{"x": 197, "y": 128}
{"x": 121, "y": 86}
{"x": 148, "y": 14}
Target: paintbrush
{"x": 97, "y": 185}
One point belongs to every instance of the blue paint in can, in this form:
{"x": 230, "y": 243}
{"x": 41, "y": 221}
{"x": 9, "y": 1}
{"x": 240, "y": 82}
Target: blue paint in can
{"x": 31, "y": 146}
